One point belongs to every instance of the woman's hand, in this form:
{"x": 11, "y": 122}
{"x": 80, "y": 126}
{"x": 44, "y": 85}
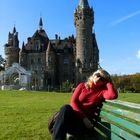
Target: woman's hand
{"x": 88, "y": 123}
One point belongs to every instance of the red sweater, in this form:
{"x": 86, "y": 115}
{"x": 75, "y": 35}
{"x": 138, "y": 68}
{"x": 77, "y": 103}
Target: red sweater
{"x": 84, "y": 101}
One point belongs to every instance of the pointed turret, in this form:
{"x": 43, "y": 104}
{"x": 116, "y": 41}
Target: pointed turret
{"x": 50, "y": 56}
{"x": 12, "y": 49}
{"x": 23, "y": 56}
{"x": 14, "y": 30}
{"x": 50, "y": 50}
{"x": 40, "y": 24}
{"x": 83, "y": 4}
{"x": 50, "y": 63}
{"x": 23, "y": 46}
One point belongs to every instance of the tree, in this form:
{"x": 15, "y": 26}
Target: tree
{"x": 66, "y": 86}
{"x": 135, "y": 80}
{"x": 2, "y": 63}
{"x": 127, "y": 83}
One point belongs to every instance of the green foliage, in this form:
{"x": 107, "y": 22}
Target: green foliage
{"x": 127, "y": 83}
{"x": 24, "y": 115}
{"x": 66, "y": 86}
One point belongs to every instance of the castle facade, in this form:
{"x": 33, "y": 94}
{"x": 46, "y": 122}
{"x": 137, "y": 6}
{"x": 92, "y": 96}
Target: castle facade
{"x": 55, "y": 61}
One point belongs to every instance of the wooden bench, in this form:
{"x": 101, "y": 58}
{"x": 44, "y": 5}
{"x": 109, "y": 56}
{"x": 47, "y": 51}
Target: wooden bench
{"x": 117, "y": 121}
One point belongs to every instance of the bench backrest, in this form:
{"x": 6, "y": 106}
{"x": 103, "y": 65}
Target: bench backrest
{"x": 119, "y": 121}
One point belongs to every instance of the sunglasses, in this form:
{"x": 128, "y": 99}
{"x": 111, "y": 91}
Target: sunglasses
{"x": 101, "y": 78}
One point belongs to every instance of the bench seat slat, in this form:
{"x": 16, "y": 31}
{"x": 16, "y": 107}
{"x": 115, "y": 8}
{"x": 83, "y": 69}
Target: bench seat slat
{"x": 122, "y": 112}
{"x": 116, "y": 130}
{"x": 128, "y": 105}
{"x": 124, "y": 123}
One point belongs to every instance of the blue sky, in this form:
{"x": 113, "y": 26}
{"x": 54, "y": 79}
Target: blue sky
{"x": 117, "y": 27}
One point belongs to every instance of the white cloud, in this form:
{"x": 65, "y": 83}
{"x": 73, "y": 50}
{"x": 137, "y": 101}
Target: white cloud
{"x": 138, "y": 54}
{"x": 126, "y": 18}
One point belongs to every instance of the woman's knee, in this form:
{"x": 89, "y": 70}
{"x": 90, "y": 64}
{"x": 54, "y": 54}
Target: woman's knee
{"x": 66, "y": 109}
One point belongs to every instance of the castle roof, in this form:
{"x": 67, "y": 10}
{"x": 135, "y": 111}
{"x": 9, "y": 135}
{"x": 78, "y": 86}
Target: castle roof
{"x": 39, "y": 41}
{"x": 83, "y": 4}
{"x": 40, "y": 34}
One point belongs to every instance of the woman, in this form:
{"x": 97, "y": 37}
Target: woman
{"x": 76, "y": 118}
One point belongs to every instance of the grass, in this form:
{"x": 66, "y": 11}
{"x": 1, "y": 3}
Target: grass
{"x": 130, "y": 97}
{"x": 24, "y": 115}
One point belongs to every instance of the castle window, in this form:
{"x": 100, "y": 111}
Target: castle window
{"x": 22, "y": 60}
{"x": 39, "y": 60}
{"x": 37, "y": 45}
{"x": 49, "y": 59}
{"x": 65, "y": 50}
{"x": 32, "y": 61}
{"x": 66, "y": 61}
{"x": 73, "y": 64}
{"x": 42, "y": 47}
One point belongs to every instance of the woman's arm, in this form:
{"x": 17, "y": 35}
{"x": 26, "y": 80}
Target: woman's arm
{"x": 75, "y": 103}
{"x": 110, "y": 93}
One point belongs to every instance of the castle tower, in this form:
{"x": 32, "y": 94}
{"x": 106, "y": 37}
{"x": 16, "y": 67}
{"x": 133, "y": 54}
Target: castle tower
{"x": 50, "y": 65}
{"x": 12, "y": 49}
{"x": 85, "y": 45}
{"x": 23, "y": 56}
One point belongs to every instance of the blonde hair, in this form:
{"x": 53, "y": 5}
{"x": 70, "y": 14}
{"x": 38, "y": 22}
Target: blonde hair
{"x": 89, "y": 82}
{"x": 102, "y": 72}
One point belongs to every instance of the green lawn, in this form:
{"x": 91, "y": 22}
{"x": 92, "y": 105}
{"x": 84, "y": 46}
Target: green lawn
{"x": 130, "y": 97}
{"x": 24, "y": 115}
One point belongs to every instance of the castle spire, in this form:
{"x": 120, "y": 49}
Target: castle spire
{"x": 83, "y": 4}
{"x": 14, "y": 29}
{"x": 40, "y": 24}
{"x": 23, "y": 46}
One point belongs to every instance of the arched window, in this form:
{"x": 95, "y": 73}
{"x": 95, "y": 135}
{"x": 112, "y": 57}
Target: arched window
{"x": 37, "y": 45}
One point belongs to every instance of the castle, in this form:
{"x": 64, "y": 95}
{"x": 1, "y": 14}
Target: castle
{"x": 54, "y": 61}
